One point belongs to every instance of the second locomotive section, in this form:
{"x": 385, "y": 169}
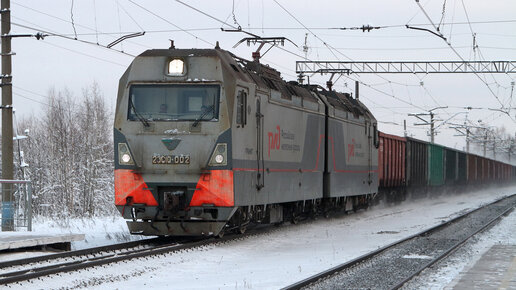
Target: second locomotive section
{"x": 206, "y": 142}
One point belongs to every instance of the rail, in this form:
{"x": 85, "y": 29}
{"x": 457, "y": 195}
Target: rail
{"x": 370, "y": 256}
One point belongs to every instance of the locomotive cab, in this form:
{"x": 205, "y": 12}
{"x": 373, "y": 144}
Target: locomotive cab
{"x": 172, "y": 143}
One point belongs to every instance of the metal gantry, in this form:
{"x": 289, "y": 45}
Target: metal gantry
{"x": 396, "y": 67}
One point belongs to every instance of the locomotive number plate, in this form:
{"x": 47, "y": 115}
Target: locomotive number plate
{"x": 171, "y": 159}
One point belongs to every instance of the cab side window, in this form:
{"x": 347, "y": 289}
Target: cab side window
{"x": 241, "y": 114}
{"x": 376, "y": 140}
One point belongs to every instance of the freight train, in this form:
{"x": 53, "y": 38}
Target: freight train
{"x": 408, "y": 164}
{"x": 207, "y": 143}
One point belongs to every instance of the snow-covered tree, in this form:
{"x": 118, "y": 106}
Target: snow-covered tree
{"x": 70, "y": 155}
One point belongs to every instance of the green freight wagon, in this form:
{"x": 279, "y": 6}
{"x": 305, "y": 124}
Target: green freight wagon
{"x": 435, "y": 165}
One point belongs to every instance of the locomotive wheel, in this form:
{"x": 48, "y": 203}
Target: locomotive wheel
{"x": 221, "y": 233}
{"x": 294, "y": 219}
{"x": 242, "y": 229}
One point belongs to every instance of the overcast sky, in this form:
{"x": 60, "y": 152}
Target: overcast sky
{"x": 58, "y": 62}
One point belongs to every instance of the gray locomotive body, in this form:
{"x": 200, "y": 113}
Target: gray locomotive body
{"x": 206, "y": 142}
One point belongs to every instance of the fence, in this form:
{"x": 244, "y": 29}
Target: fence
{"x": 16, "y": 209}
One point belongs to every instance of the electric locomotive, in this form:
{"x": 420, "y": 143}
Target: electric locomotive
{"x": 206, "y": 142}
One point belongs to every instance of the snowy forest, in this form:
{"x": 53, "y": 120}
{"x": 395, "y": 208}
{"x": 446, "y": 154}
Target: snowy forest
{"x": 68, "y": 155}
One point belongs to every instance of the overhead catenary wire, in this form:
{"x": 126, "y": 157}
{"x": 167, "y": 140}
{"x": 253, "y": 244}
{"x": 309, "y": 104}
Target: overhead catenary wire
{"x": 332, "y": 49}
{"x": 402, "y": 95}
{"x": 460, "y": 56}
{"x": 50, "y": 33}
{"x": 171, "y": 23}
{"x": 131, "y": 17}
{"x": 77, "y": 24}
{"x": 71, "y": 17}
{"x": 95, "y": 20}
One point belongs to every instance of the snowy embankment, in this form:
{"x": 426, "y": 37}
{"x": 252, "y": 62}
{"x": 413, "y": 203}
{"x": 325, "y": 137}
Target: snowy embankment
{"x": 98, "y": 231}
{"x": 282, "y": 257}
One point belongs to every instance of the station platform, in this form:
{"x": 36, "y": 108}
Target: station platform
{"x": 496, "y": 269}
{"x": 21, "y": 240}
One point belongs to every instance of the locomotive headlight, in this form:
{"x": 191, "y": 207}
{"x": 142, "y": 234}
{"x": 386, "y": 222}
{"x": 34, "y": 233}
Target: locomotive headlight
{"x": 176, "y": 67}
{"x": 219, "y": 157}
{"x": 126, "y": 158}
{"x": 124, "y": 155}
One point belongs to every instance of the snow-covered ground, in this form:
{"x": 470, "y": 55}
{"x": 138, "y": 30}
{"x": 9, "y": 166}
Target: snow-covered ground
{"x": 97, "y": 231}
{"x": 281, "y": 257}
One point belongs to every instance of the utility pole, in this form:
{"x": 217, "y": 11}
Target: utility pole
{"x": 431, "y": 123}
{"x": 509, "y": 152}
{"x": 467, "y": 140}
{"x": 432, "y": 131}
{"x": 464, "y": 130}
{"x": 7, "y": 118}
{"x": 494, "y": 148}
{"x": 485, "y": 143}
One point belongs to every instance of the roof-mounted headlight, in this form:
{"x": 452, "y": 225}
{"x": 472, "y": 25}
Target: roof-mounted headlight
{"x": 176, "y": 67}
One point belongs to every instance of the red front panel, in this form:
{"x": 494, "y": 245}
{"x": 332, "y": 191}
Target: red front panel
{"x": 130, "y": 188}
{"x": 214, "y": 188}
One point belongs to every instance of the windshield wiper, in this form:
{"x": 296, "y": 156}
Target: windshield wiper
{"x": 204, "y": 113}
{"x": 140, "y": 117}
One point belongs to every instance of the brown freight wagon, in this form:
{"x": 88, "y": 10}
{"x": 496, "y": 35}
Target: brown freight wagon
{"x": 391, "y": 166}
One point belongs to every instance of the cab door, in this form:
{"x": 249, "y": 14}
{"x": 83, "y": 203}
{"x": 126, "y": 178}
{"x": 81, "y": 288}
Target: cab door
{"x": 260, "y": 173}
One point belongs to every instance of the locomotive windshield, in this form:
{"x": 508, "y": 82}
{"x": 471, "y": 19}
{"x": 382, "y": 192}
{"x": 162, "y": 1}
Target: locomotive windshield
{"x": 174, "y": 102}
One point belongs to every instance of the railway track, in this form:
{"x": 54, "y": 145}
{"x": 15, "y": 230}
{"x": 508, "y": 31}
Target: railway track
{"x": 41, "y": 266}
{"x": 392, "y": 266}
{"x": 34, "y": 267}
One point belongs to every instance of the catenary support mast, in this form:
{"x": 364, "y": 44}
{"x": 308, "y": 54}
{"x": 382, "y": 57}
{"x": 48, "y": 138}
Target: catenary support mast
{"x": 7, "y": 118}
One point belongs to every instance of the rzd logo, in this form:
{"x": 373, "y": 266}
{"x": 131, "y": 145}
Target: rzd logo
{"x": 351, "y": 149}
{"x": 274, "y": 140}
